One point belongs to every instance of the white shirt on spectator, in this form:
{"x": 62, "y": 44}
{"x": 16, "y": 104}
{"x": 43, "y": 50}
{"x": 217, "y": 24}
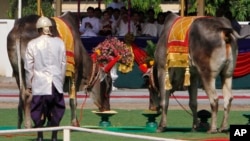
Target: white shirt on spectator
{"x": 123, "y": 28}
{"x": 149, "y": 29}
{"x": 159, "y": 29}
{"x": 88, "y": 31}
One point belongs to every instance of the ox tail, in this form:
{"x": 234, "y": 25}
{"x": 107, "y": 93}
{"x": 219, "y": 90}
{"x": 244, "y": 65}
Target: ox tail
{"x": 234, "y": 33}
{"x": 18, "y": 49}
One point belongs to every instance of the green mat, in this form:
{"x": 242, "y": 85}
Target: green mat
{"x": 7, "y": 127}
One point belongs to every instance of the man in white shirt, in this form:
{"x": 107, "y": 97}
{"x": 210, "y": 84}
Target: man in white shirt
{"x": 45, "y": 66}
{"x": 90, "y": 25}
{"x": 122, "y": 28}
{"x": 150, "y": 28}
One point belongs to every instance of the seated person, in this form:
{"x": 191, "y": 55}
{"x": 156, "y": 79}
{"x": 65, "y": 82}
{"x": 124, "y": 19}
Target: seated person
{"x": 150, "y": 27}
{"x": 90, "y": 25}
{"x": 107, "y": 25}
{"x": 137, "y": 23}
{"x": 122, "y": 28}
{"x": 160, "y": 23}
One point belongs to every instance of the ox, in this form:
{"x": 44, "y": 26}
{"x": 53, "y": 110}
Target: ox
{"x": 87, "y": 74}
{"x": 212, "y": 51}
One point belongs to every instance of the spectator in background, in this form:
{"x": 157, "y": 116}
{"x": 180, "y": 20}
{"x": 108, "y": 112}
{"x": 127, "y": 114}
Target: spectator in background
{"x": 98, "y": 13}
{"x": 138, "y": 25}
{"x": 123, "y": 10}
{"x": 90, "y": 25}
{"x": 150, "y": 28}
{"x": 107, "y": 26}
{"x": 116, "y": 4}
{"x": 122, "y": 28}
{"x": 110, "y": 10}
{"x": 160, "y": 23}
{"x": 142, "y": 17}
{"x": 116, "y": 16}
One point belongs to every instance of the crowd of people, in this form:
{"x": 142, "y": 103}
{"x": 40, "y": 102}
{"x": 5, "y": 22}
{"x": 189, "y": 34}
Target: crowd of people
{"x": 115, "y": 20}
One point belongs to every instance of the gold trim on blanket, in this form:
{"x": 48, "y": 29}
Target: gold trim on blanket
{"x": 67, "y": 36}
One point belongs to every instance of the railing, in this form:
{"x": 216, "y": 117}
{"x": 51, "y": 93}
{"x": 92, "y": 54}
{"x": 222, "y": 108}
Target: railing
{"x": 67, "y": 129}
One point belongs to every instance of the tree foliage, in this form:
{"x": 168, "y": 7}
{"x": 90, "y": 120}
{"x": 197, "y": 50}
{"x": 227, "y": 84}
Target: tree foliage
{"x": 240, "y": 8}
{"x": 30, "y": 7}
{"x": 142, "y": 5}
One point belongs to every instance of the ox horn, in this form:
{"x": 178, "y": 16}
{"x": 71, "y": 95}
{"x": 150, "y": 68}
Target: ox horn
{"x": 236, "y": 34}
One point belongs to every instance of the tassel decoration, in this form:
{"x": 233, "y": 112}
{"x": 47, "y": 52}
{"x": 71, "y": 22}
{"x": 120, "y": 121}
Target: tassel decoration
{"x": 168, "y": 85}
{"x": 187, "y": 77}
{"x": 143, "y": 68}
{"x": 72, "y": 94}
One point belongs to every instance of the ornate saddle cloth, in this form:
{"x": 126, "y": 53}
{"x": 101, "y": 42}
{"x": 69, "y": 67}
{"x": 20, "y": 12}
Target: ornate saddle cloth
{"x": 67, "y": 36}
{"x": 177, "y": 52}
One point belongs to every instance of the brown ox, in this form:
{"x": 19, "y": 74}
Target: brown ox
{"x": 212, "y": 52}
{"x": 87, "y": 74}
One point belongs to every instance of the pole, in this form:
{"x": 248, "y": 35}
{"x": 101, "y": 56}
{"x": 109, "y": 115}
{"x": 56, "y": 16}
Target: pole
{"x": 19, "y": 8}
{"x": 129, "y": 15}
{"x": 182, "y": 8}
{"x": 99, "y": 3}
{"x": 58, "y": 7}
{"x": 78, "y": 12}
{"x": 200, "y": 7}
{"x": 38, "y": 7}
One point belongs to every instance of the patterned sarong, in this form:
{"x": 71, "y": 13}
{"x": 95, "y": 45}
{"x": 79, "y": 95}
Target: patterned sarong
{"x": 67, "y": 36}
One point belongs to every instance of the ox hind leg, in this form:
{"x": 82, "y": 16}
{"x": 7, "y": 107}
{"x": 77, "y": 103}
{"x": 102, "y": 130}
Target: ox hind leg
{"x": 164, "y": 101}
{"x": 73, "y": 102}
{"x": 227, "y": 95}
{"x": 23, "y": 105}
{"x": 209, "y": 86}
{"x": 20, "y": 111}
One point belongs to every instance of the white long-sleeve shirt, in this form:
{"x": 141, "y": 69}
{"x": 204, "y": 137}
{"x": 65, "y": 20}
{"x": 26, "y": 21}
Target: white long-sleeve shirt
{"x": 45, "y": 63}
{"x": 122, "y": 28}
{"x": 87, "y": 31}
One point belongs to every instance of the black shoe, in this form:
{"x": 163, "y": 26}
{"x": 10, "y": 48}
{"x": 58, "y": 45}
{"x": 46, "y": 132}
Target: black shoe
{"x": 39, "y": 136}
{"x": 54, "y": 139}
{"x": 39, "y": 139}
{"x": 54, "y": 136}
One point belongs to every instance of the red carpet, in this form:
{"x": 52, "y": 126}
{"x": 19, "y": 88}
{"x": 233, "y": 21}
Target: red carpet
{"x": 217, "y": 139}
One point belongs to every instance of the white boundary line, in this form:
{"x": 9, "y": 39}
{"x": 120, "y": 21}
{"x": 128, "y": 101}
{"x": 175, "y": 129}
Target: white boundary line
{"x": 67, "y": 129}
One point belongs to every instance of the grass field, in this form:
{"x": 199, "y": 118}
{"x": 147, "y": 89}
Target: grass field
{"x": 177, "y": 119}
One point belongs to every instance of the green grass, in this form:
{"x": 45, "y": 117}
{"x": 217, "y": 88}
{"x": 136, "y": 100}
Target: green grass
{"x": 177, "y": 119}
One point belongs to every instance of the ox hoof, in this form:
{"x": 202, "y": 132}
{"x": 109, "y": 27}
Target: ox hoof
{"x": 212, "y": 131}
{"x": 161, "y": 129}
{"x": 75, "y": 123}
{"x": 194, "y": 130}
{"x": 224, "y": 130}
